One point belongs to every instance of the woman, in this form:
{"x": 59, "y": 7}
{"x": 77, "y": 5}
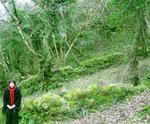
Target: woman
{"x": 12, "y": 103}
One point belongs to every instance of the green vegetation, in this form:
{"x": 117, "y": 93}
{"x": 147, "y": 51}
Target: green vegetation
{"x": 147, "y": 79}
{"x": 63, "y": 75}
{"x": 145, "y": 112}
{"x": 75, "y": 104}
{"x": 49, "y": 43}
{"x": 32, "y": 44}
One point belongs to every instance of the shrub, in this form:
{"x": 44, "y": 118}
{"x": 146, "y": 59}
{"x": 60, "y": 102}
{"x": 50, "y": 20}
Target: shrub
{"x": 30, "y": 84}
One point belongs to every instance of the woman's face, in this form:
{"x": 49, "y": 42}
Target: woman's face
{"x": 12, "y": 84}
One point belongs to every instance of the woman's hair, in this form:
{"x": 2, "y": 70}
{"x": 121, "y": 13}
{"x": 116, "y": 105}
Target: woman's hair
{"x": 12, "y": 81}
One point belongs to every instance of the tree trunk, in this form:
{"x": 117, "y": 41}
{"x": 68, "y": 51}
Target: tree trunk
{"x": 140, "y": 42}
{"x": 134, "y": 76}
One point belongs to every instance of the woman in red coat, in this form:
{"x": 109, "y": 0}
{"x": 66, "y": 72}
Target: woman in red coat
{"x": 12, "y": 103}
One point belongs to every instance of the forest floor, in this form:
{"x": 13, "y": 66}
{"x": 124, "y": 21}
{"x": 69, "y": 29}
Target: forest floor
{"x": 121, "y": 113}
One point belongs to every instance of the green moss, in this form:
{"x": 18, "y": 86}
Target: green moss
{"x": 102, "y": 62}
{"x": 147, "y": 77}
{"x": 146, "y": 81}
{"x": 145, "y": 112}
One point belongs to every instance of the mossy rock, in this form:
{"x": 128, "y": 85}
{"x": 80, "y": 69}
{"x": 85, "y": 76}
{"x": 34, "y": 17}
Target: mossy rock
{"x": 102, "y": 62}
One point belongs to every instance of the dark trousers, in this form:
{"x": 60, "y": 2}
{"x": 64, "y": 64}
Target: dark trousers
{"x": 12, "y": 116}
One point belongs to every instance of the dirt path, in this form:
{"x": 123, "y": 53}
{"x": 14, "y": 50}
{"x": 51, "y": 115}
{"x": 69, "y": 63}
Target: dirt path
{"x": 119, "y": 113}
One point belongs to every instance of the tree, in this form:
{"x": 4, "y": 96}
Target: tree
{"x": 134, "y": 13}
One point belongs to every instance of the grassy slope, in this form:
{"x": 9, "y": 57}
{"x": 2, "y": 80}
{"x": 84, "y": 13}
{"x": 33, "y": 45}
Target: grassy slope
{"x": 78, "y": 103}
{"x": 112, "y": 75}
{"x": 81, "y": 102}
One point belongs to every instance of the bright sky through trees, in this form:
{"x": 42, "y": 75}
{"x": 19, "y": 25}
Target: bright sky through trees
{"x": 19, "y": 3}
